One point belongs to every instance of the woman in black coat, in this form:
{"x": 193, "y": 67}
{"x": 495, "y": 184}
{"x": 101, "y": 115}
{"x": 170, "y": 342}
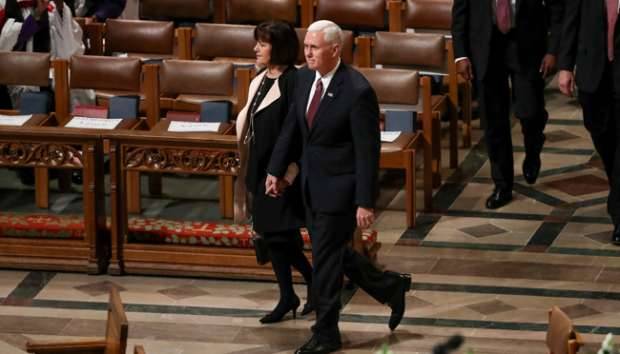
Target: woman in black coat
{"x": 258, "y": 126}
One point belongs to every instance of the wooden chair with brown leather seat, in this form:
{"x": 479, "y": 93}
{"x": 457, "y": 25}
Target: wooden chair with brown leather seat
{"x": 29, "y": 69}
{"x": 359, "y": 16}
{"x": 435, "y": 16}
{"x": 182, "y": 86}
{"x": 186, "y": 11}
{"x": 114, "y": 342}
{"x": 252, "y": 12}
{"x": 425, "y": 53}
{"x": 142, "y": 39}
{"x": 405, "y": 90}
{"x": 223, "y": 43}
{"x": 108, "y": 76}
{"x": 561, "y": 336}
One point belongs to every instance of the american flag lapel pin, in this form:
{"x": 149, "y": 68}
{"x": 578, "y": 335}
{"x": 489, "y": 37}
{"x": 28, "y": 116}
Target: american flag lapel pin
{"x": 330, "y": 95}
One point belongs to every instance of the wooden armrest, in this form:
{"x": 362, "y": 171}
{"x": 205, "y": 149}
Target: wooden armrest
{"x": 81, "y": 347}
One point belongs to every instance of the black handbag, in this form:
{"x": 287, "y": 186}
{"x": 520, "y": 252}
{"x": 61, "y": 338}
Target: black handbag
{"x": 261, "y": 249}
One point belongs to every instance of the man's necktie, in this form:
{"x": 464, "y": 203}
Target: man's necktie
{"x": 314, "y": 104}
{"x": 502, "y": 15}
{"x": 612, "y": 16}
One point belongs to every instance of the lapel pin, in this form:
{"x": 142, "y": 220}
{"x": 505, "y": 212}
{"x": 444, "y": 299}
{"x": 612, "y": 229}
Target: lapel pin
{"x": 329, "y": 94}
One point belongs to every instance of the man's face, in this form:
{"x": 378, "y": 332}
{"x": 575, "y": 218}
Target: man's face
{"x": 320, "y": 55}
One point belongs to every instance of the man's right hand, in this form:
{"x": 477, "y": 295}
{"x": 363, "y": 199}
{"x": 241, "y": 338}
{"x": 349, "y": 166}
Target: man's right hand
{"x": 274, "y": 186}
{"x": 566, "y": 82}
{"x": 463, "y": 67}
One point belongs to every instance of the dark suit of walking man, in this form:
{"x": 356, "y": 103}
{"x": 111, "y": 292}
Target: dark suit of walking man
{"x": 502, "y": 40}
{"x": 590, "y": 41}
{"x": 335, "y": 118}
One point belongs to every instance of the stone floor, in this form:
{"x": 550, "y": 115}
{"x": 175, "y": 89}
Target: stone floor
{"x": 488, "y": 275}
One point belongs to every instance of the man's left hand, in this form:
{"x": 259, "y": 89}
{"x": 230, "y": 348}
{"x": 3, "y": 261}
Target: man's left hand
{"x": 365, "y": 217}
{"x": 548, "y": 65}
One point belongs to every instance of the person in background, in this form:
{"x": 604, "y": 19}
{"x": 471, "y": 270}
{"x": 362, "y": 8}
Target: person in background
{"x": 258, "y": 126}
{"x": 590, "y": 43}
{"x": 508, "y": 47}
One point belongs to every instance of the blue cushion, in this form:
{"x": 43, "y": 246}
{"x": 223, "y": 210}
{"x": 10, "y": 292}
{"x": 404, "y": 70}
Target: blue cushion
{"x": 124, "y": 107}
{"x": 215, "y": 111}
{"x": 35, "y": 103}
{"x": 403, "y": 121}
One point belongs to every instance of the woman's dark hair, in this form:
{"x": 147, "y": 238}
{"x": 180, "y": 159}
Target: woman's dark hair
{"x": 283, "y": 39}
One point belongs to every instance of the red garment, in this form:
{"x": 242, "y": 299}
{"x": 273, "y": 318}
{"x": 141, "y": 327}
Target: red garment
{"x": 2, "y": 18}
{"x": 26, "y": 3}
{"x": 612, "y": 16}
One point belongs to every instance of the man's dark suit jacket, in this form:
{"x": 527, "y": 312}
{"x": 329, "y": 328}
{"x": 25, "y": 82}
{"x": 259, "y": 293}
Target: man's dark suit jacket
{"x": 340, "y": 153}
{"x": 584, "y": 42}
{"x": 537, "y": 30}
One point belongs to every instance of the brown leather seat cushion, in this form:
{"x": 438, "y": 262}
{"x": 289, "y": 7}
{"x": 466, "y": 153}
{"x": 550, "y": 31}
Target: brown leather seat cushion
{"x": 22, "y": 68}
{"x": 394, "y": 86}
{"x": 105, "y": 73}
{"x": 428, "y": 14}
{"x": 175, "y": 10}
{"x": 255, "y": 12}
{"x": 196, "y": 77}
{"x": 154, "y": 37}
{"x": 413, "y": 50}
{"x": 354, "y": 14}
{"x": 217, "y": 40}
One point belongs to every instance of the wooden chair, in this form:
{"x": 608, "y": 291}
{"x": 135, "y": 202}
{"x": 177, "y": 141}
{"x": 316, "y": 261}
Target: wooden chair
{"x": 108, "y": 76}
{"x": 561, "y": 336}
{"x": 32, "y": 69}
{"x": 138, "y": 349}
{"x": 142, "y": 39}
{"x": 435, "y": 16}
{"x": 183, "y": 85}
{"x": 114, "y": 342}
{"x": 425, "y": 53}
{"x": 92, "y": 36}
{"x": 175, "y": 10}
{"x": 406, "y": 90}
{"x": 254, "y": 12}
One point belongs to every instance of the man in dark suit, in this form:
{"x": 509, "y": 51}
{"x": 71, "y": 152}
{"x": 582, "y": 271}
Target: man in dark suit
{"x": 590, "y": 41}
{"x": 335, "y": 118}
{"x": 498, "y": 40}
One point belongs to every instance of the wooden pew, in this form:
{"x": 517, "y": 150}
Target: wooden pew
{"x": 405, "y": 88}
{"x": 53, "y": 147}
{"x": 114, "y": 342}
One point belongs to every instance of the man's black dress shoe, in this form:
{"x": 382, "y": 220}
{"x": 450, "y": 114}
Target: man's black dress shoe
{"x": 499, "y": 198}
{"x": 314, "y": 346}
{"x": 615, "y": 237}
{"x": 531, "y": 168}
{"x": 397, "y": 303}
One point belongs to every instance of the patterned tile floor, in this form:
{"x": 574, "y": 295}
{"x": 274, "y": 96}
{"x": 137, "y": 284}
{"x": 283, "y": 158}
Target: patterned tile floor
{"x": 488, "y": 275}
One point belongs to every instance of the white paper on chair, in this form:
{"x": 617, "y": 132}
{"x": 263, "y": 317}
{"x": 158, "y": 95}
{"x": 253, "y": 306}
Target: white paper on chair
{"x": 389, "y": 137}
{"x": 185, "y": 127}
{"x": 15, "y": 121}
{"x": 93, "y": 123}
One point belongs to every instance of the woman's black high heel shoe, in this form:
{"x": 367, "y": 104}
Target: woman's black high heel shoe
{"x": 281, "y": 309}
{"x": 308, "y": 307}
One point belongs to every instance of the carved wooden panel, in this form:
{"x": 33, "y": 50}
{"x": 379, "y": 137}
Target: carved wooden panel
{"x": 40, "y": 154}
{"x": 207, "y": 161}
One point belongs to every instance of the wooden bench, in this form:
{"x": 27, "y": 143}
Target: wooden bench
{"x": 114, "y": 342}
{"x": 58, "y": 148}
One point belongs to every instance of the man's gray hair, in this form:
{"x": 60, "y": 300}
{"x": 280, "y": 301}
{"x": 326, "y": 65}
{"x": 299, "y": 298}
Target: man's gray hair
{"x": 332, "y": 32}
